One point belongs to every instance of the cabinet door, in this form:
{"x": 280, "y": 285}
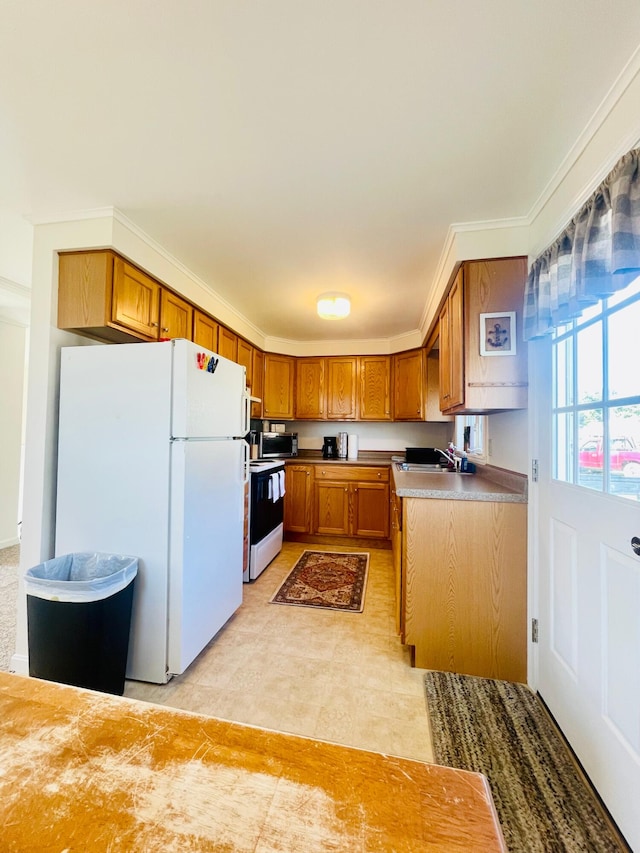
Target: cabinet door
{"x": 227, "y": 343}
{"x": 257, "y": 379}
{"x": 278, "y": 386}
{"x": 245, "y": 357}
{"x": 297, "y": 499}
{"x": 375, "y": 388}
{"x": 409, "y": 385}
{"x": 433, "y": 412}
{"x": 396, "y": 550}
{"x": 332, "y": 508}
{"x": 370, "y": 509}
{"x": 136, "y": 300}
{"x": 494, "y": 383}
{"x": 452, "y": 347}
{"x": 176, "y": 317}
{"x": 85, "y": 282}
{"x": 310, "y": 389}
{"x": 205, "y": 331}
{"x": 341, "y": 388}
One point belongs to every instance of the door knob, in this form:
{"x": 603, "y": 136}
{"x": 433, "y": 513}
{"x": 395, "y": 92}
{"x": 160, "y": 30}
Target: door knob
{"x": 635, "y": 545}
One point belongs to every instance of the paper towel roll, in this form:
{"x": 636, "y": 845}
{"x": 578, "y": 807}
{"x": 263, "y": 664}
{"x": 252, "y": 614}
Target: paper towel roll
{"x": 352, "y": 446}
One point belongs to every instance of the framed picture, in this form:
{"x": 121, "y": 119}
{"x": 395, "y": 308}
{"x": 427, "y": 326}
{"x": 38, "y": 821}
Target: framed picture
{"x": 498, "y": 333}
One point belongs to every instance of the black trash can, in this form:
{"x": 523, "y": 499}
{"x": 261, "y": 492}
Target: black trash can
{"x": 79, "y": 618}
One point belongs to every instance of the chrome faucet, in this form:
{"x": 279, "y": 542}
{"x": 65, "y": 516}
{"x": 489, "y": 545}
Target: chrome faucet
{"x": 448, "y": 455}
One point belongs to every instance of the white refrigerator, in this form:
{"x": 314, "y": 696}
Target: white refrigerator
{"x": 151, "y": 463}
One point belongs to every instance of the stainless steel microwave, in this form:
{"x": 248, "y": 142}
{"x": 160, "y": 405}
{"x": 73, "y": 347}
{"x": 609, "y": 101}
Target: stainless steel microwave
{"x": 278, "y": 445}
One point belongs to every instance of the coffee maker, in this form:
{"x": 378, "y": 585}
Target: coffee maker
{"x": 330, "y": 447}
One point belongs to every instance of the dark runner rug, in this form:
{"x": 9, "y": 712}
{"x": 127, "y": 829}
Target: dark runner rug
{"x": 326, "y": 579}
{"x": 502, "y": 730}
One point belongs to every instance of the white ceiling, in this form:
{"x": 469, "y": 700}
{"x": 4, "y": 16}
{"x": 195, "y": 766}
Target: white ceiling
{"x": 281, "y": 149}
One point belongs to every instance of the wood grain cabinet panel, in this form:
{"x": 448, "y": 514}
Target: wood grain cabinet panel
{"x": 176, "y": 317}
{"x": 342, "y": 388}
{"x": 311, "y": 402}
{"x": 469, "y": 381}
{"x": 257, "y": 382}
{"x": 465, "y": 586}
{"x": 352, "y": 501}
{"x": 297, "y": 499}
{"x": 244, "y": 357}
{"x": 205, "y": 331}
{"x": 136, "y": 300}
{"x": 452, "y": 347}
{"x": 375, "y": 388}
{"x": 409, "y": 385}
{"x": 279, "y": 371}
{"x": 227, "y": 343}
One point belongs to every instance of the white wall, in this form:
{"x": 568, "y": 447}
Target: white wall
{"x": 12, "y": 380}
{"x": 392, "y": 438}
{"x": 508, "y": 444}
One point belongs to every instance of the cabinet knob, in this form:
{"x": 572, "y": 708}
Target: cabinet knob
{"x": 165, "y": 329}
{"x": 153, "y": 324}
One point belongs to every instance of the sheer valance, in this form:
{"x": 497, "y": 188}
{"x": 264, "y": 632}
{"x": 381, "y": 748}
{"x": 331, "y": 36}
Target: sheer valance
{"x": 597, "y": 254}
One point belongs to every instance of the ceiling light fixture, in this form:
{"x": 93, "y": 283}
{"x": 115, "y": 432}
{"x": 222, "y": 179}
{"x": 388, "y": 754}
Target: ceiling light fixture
{"x": 333, "y": 306}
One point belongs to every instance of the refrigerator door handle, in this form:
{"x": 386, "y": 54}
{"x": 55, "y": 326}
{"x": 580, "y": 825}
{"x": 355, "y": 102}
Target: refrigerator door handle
{"x": 246, "y": 412}
{"x": 245, "y": 463}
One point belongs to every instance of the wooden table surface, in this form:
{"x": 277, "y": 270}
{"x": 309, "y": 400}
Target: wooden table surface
{"x": 83, "y": 771}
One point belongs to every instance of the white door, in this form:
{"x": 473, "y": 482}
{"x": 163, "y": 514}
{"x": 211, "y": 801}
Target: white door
{"x": 587, "y": 509}
{"x": 206, "y": 544}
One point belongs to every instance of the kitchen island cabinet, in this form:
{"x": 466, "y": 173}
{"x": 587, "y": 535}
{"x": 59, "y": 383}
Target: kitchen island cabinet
{"x": 460, "y": 557}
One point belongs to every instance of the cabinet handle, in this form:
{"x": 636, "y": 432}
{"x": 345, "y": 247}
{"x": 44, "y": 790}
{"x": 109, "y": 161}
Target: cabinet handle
{"x": 164, "y": 329}
{"x": 379, "y": 475}
{"x": 153, "y": 324}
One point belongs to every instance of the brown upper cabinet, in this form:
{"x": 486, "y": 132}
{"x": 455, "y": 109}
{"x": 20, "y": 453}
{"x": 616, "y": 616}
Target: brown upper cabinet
{"x": 342, "y": 388}
{"x": 176, "y": 316}
{"x": 452, "y": 347}
{"x": 311, "y": 398}
{"x": 245, "y": 357}
{"x": 409, "y": 379}
{"x": 227, "y": 344}
{"x": 103, "y": 296}
{"x": 205, "y": 331}
{"x": 483, "y": 360}
{"x": 375, "y": 387}
{"x": 257, "y": 382}
{"x": 277, "y": 400}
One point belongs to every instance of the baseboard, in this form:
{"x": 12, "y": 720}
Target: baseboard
{"x": 347, "y": 541}
{"x": 9, "y": 543}
{"x": 19, "y": 664}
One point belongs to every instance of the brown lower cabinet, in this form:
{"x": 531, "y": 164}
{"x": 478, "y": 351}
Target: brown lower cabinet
{"x": 463, "y": 586}
{"x": 337, "y": 500}
{"x": 297, "y": 499}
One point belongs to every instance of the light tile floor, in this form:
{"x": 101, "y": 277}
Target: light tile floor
{"x": 340, "y": 677}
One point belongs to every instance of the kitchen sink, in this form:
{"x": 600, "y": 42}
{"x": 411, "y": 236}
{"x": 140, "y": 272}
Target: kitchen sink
{"x": 420, "y": 468}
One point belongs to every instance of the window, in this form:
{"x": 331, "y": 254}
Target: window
{"x": 471, "y": 435}
{"x": 596, "y": 397}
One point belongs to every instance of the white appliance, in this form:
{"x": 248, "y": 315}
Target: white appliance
{"x": 266, "y": 514}
{"x": 150, "y": 463}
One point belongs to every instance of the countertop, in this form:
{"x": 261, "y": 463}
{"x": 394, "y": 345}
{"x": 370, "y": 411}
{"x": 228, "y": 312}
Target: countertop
{"x": 85, "y": 771}
{"x": 492, "y": 484}
{"x": 489, "y": 483}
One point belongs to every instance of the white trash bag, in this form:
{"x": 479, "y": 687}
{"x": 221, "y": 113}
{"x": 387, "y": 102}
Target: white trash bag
{"x": 81, "y": 577}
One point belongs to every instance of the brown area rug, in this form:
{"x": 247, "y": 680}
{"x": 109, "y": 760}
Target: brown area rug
{"x": 328, "y": 579}
{"x": 502, "y": 730}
